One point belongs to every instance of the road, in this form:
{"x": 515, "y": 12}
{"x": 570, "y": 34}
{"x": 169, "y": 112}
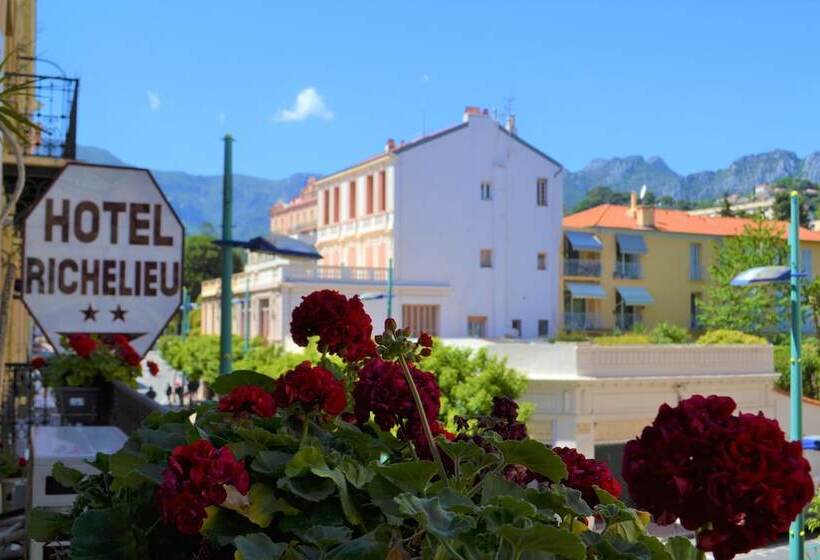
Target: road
{"x": 166, "y": 376}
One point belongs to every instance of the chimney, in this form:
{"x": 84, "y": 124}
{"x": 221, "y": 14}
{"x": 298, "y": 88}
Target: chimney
{"x": 511, "y": 124}
{"x": 471, "y": 111}
{"x": 633, "y": 204}
{"x": 646, "y": 216}
{"x": 390, "y": 145}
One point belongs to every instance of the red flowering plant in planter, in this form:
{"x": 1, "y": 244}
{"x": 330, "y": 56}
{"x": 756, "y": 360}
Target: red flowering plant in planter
{"x": 90, "y": 360}
{"x": 345, "y": 463}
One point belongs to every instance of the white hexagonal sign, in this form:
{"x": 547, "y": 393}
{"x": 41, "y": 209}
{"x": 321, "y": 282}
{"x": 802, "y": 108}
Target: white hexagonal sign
{"x": 102, "y": 255}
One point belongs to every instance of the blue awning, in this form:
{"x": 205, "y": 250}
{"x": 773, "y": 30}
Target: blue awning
{"x": 631, "y": 244}
{"x": 580, "y": 290}
{"x": 583, "y": 241}
{"x": 635, "y": 295}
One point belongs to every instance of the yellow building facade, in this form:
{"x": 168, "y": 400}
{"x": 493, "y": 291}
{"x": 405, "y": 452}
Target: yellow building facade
{"x": 627, "y": 265}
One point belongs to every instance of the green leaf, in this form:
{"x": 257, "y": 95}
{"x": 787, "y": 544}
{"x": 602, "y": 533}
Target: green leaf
{"x": 535, "y": 456}
{"x": 66, "y": 476}
{"x": 348, "y": 506}
{"x": 561, "y": 499}
{"x": 367, "y": 447}
{"x": 45, "y": 525}
{"x": 166, "y": 437}
{"x": 224, "y": 384}
{"x": 494, "y": 485}
{"x": 271, "y": 462}
{"x": 453, "y": 501}
{"x": 304, "y": 460}
{"x": 539, "y": 537}
{"x": 514, "y": 506}
{"x": 434, "y": 518}
{"x": 370, "y": 546}
{"x": 258, "y": 546}
{"x": 615, "y": 548}
{"x": 461, "y": 450}
{"x": 356, "y": 474}
{"x": 655, "y": 547}
{"x": 605, "y": 497}
{"x": 309, "y": 488}
{"x": 682, "y": 548}
{"x": 263, "y": 503}
{"x": 125, "y": 469}
{"x": 104, "y": 534}
{"x": 325, "y": 537}
{"x": 264, "y": 438}
{"x": 222, "y": 526}
{"x": 409, "y": 477}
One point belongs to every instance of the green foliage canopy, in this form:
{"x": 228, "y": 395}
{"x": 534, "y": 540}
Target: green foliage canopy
{"x": 202, "y": 262}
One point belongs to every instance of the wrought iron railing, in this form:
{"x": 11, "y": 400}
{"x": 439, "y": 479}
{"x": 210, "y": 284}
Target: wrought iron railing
{"x": 627, "y": 321}
{"x": 52, "y": 105}
{"x": 627, "y": 270}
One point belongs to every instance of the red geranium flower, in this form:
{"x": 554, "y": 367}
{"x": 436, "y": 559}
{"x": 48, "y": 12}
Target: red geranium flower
{"x": 342, "y": 325}
{"x": 126, "y": 351}
{"x": 583, "y": 474}
{"x": 82, "y": 344}
{"x": 735, "y": 479}
{"x": 38, "y": 363}
{"x": 195, "y": 479}
{"x": 312, "y": 387}
{"x": 248, "y": 399}
{"x": 21, "y": 462}
{"x": 153, "y": 368}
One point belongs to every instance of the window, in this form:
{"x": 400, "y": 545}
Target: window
{"x": 486, "y": 258}
{"x": 476, "y": 326}
{"x": 351, "y": 201}
{"x": 543, "y": 328}
{"x": 516, "y": 327}
{"x": 542, "y": 261}
{"x": 420, "y": 318}
{"x": 695, "y": 268}
{"x": 326, "y": 205}
{"x": 382, "y": 191}
{"x": 264, "y": 317}
{"x": 370, "y": 194}
{"x": 335, "y": 204}
{"x": 694, "y": 302}
{"x": 486, "y": 193}
{"x": 541, "y": 192}
{"x": 805, "y": 264}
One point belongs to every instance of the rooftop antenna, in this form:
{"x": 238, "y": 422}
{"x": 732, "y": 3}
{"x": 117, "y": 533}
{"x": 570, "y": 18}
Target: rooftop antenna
{"x": 643, "y": 193}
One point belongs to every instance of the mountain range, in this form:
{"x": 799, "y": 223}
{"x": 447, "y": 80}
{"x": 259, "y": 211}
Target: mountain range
{"x": 196, "y": 197}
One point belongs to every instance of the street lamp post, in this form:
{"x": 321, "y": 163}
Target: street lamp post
{"x": 769, "y": 275}
{"x": 226, "y": 296}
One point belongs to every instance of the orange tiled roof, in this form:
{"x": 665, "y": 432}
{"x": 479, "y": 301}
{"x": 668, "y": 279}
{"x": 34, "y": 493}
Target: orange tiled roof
{"x": 613, "y": 216}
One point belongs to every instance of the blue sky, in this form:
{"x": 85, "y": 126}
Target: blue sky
{"x": 698, "y": 83}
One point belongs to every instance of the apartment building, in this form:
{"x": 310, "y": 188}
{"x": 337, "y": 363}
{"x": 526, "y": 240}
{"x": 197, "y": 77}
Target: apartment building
{"x": 467, "y": 221}
{"x": 624, "y": 265}
{"x": 297, "y": 216}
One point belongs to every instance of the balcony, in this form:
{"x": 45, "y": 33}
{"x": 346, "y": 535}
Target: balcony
{"x": 627, "y": 321}
{"x": 359, "y": 226}
{"x": 334, "y": 274}
{"x": 628, "y": 270}
{"x": 577, "y": 321}
{"x": 582, "y": 267}
{"x": 51, "y": 105}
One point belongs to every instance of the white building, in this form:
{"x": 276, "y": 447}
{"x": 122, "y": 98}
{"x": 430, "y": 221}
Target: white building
{"x": 469, "y": 217}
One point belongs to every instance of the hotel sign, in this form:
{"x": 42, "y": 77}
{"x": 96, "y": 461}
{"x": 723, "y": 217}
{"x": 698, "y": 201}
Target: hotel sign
{"x": 102, "y": 255}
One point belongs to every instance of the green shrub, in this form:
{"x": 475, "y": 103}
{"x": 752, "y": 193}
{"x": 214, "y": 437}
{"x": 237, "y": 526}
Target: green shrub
{"x": 728, "y": 336}
{"x": 572, "y": 337}
{"x": 667, "y": 333}
{"x": 813, "y": 514}
{"x": 809, "y": 362}
{"x": 616, "y": 340}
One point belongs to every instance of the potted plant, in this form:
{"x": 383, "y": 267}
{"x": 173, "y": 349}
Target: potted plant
{"x": 80, "y": 374}
{"x": 12, "y": 480}
{"x": 347, "y": 459}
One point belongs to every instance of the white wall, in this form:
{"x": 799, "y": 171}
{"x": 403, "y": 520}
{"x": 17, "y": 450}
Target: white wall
{"x": 441, "y": 225}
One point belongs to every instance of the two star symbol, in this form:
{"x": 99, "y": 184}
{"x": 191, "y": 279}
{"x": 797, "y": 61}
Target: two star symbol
{"x": 90, "y": 314}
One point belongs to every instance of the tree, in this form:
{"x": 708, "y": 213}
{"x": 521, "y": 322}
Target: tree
{"x": 811, "y": 298}
{"x": 601, "y": 195}
{"x": 202, "y": 262}
{"x": 782, "y": 199}
{"x": 757, "y": 308}
{"x": 726, "y": 207}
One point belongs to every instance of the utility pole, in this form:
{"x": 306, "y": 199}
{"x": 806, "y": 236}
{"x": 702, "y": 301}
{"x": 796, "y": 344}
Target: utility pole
{"x": 796, "y": 531}
{"x": 225, "y": 334}
{"x": 246, "y": 319}
{"x": 186, "y": 308}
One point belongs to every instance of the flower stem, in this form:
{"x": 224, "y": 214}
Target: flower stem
{"x": 428, "y": 433}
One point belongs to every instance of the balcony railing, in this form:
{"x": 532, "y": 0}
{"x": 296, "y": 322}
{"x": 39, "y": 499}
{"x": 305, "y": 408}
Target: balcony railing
{"x": 335, "y": 273}
{"x": 627, "y": 270}
{"x": 52, "y": 105}
{"x": 582, "y": 267}
{"x": 364, "y": 224}
{"x": 576, "y": 321}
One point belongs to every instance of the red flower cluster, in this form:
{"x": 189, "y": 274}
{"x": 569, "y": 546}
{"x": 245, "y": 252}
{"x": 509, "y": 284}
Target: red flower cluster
{"x": 153, "y": 368}
{"x": 382, "y": 389}
{"x": 312, "y": 387}
{"x": 426, "y": 343}
{"x": 735, "y": 478}
{"x": 195, "y": 478}
{"x": 82, "y": 344}
{"x": 583, "y": 474}
{"x": 125, "y": 351}
{"x": 21, "y": 462}
{"x": 38, "y": 363}
{"x": 342, "y": 325}
{"x": 248, "y": 399}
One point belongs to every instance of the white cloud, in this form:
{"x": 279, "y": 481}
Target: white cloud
{"x": 308, "y": 104}
{"x": 153, "y": 100}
